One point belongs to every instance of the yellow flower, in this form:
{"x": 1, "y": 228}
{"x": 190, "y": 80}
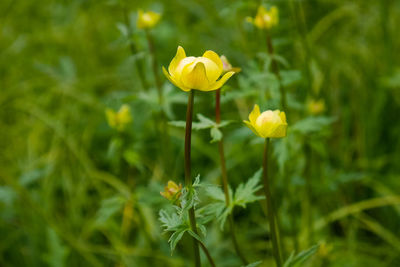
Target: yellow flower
{"x": 172, "y": 191}
{"x": 147, "y": 20}
{"x": 316, "y": 107}
{"x": 199, "y": 73}
{"x": 119, "y": 120}
{"x": 226, "y": 65}
{"x": 265, "y": 19}
{"x": 269, "y": 124}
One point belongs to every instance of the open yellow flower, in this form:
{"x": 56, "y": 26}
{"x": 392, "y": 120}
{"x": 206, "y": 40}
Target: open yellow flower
{"x": 265, "y": 19}
{"x": 119, "y": 120}
{"x": 269, "y": 124}
{"x": 147, "y": 20}
{"x": 172, "y": 191}
{"x": 200, "y": 73}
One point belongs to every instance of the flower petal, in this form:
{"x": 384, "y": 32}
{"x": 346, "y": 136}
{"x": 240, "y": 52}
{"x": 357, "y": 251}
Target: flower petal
{"x": 194, "y": 76}
{"x": 174, "y": 82}
{"x": 254, "y": 114}
{"x": 248, "y": 124}
{"x": 180, "y": 54}
{"x": 283, "y": 117}
{"x": 214, "y": 57}
{"x": 279, "y": 131}
{"x": 218, "y": 84}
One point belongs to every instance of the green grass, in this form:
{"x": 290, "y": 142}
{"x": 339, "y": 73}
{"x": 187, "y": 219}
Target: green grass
{"x": 74, "y": 192}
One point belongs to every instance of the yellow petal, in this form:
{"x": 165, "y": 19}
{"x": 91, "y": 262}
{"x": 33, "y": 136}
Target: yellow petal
{"x": 194, "y": 76}
{"x": 214, "y": 57}
{"x": 254, "y": 114}
{"x": 221, "y": 81}
{"x": 174, "y": 82}
{"x": 248, "y": 124}
{"x": 283, "y": 116}
{"x": 111, "y": 117}
{"x": 279, "y": 131}
{"x": 180, "y": 54}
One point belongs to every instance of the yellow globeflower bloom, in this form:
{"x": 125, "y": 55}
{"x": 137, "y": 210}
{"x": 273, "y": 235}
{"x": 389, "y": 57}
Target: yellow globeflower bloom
{"x": 269, "y": 124}
{"x": 265, "y": 19}
{"x": 172, "y": 191}
{"x": 119, "y": 120}
{"x": 200, "y": 73}
{"x": 316, "y": 107}
{"x": 226, "y": 65}
{"x": 147, "y": 20}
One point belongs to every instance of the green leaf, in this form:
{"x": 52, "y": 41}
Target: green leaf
{"x": 109, "y": 207}
{"x": 312, "y": 124}
{"x": 216, "y": 135}
{"x": 245, "y": 193}
{"x": 299, "y": 259}
{"x": 57, "y": 253}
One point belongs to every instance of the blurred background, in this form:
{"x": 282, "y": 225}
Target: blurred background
{"x": 75, "y": 191}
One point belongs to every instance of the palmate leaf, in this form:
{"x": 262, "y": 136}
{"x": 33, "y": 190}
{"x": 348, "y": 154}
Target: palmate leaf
{"x": 312, "y": 124}
{"x": 299, "y": 259}
{"x": 245, "y": 193}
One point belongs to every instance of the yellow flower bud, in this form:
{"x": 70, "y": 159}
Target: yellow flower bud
{"x": 265, "y": 19}
{"x": 226, "y": 65}
{"x": 316, "y": 107}
{"x": 200, "y": 73}
{"x": 119, "y": 120}
{"x": 172, "y": 191}
{"x": 269, "y": 124}
{"x": 147, "y": 20}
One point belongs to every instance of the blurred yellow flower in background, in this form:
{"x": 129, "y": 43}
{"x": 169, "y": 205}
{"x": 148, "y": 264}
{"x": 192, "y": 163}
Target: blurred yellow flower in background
{"x": 172, "y": 191}
{"x": 147, "y": 20}
{"x": 316, "y": 107}
{"x": 269, "y": 124}
{"x": 226, "y": 65}
{"x": 265, "y": 18}
{"x": 200, "y": 73}
{"x": 119, "y": 120}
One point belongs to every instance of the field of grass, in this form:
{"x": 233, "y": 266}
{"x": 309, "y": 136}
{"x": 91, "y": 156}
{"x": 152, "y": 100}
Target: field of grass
{"x": 80, "y": 182}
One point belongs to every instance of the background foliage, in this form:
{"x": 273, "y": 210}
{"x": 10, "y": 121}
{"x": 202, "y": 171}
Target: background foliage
{"x": 74, "y": 192}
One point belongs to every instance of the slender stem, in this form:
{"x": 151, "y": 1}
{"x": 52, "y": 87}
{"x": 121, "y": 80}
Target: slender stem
{"x": 225, "y": 178}
{"x": 275, "y": 69}
{"x": 271, "y": 214}
{"x": 208, "y": 255}
{"x": 188, "y": 178}
{"x": 154, "y": 65}
{"x": 133, "y": 49}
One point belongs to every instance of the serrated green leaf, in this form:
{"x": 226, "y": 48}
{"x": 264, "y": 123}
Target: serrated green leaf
{"x": 245, "y": 193}
{"x": 175, "y": 238}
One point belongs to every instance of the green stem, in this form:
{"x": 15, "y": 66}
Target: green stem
{"x": 133, "y": 49}
{"x": 188, "y": 178}
{"x": 271, "y": 214}
{"x": 275, "y": 69}
{"x": 225, "y": 178}
{"x": 154, "y": 65}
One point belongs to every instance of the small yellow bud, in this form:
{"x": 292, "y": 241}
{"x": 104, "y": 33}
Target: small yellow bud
{"x": 147, "y": 20}
{"x": 269, "y": 124}
{"x": 226, "y": 65}
{"x": 200, "y": 73}
{"x": 316, "y": 107}
{"x": 265, "y": 19}
{"x": 172, "y": 191}
{"x": 119, "y": 120}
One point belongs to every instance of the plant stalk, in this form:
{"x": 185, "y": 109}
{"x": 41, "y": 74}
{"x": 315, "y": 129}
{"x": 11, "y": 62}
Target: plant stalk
{"x": 225, "y": 178}
{"x": 154, "y": 65}
{"x": 270, "y": 212}
{"x": 188, "y": 178}
{"x": 275, "y": 69}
